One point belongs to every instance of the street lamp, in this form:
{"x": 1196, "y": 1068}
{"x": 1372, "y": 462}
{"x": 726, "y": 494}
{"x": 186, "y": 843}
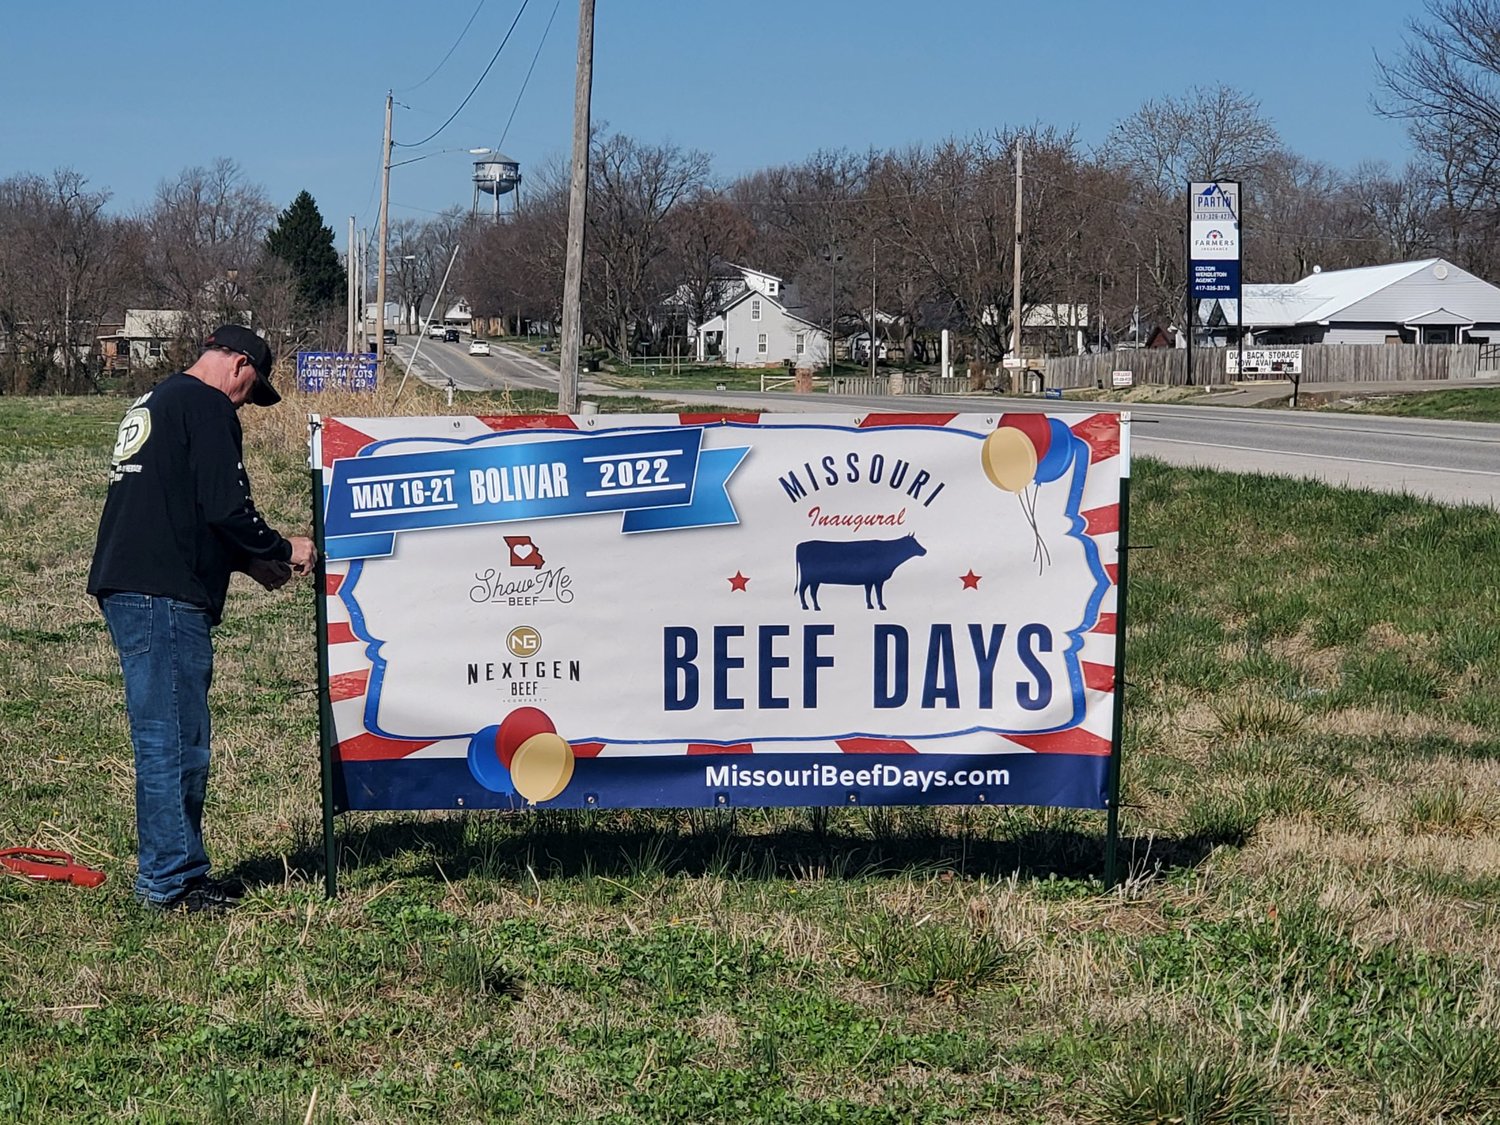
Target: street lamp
{"x": 385, "y": 211}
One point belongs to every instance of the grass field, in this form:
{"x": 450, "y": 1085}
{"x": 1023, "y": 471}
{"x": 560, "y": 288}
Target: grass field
{"x": 1470, "y": 404}
{"x": 1310, "y": 930}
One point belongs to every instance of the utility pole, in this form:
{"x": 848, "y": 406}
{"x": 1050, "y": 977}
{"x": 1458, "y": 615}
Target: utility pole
{"x": 872, "y": 306}
{"x": 351, "y": 265}
{"x": 385, "y": 212}
{"x": 364, "y": 283}
{"x": 1101, "y": 312}
{"x": 1015, "y": 285}
{"x": 578, "y": 197}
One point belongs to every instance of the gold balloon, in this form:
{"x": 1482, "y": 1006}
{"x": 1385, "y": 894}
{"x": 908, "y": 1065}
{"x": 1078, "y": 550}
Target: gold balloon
{"x": 1009, "y": 459}
{"x": 542, "y": 767}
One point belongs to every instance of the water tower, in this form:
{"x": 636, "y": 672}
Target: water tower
{"x": 495, "y": 175}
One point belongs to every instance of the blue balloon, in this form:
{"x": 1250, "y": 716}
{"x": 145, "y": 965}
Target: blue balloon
{"x": 485, "y": 764}
{"x": 1059, "y": 452}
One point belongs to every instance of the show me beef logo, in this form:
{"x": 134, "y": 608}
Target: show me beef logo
{"x": 542, "y": 584}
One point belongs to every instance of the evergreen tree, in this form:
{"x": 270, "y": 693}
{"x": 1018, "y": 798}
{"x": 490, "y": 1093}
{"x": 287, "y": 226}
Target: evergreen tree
{"x": 302, "y": 240}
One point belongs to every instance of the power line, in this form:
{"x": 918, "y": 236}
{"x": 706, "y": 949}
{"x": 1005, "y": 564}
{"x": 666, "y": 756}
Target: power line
{"x": 451, "y": 49}
{"x": 535, "y": 55}
{"x": 475, "y": 90}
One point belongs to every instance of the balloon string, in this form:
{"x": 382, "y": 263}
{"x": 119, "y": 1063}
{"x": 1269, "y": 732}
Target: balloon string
{"x": 1039, "y": 553}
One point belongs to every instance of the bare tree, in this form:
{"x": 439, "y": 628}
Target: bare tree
{"x": 705, "y": 234}
{"x": 1445, "y": 84}
{"x": 1397, "y": 210}
{"x": 205, "y": 233}
{"x": 62, "y": 263}
{"x": 634, "y": 189}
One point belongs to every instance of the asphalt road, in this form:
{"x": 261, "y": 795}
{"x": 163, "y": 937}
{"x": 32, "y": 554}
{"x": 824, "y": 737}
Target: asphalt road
{"x": 437, "y": 362}
{"x": 1452, "y": 462}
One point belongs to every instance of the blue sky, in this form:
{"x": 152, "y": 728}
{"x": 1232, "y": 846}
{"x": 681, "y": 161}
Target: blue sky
{"x": 131, "y": 94}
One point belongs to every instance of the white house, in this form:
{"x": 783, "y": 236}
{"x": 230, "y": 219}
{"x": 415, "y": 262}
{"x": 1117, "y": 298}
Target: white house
{"x": 761, "y": 326}
{"x": 1426, "y": 302}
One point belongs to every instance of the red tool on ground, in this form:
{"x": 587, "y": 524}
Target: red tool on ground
{"x": 41, "y": 864}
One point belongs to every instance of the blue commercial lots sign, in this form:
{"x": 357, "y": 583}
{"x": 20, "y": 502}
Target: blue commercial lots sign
{"x": 327, "y": 371}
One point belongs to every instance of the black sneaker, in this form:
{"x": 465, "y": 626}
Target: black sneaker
{"x": 206, "y": 896}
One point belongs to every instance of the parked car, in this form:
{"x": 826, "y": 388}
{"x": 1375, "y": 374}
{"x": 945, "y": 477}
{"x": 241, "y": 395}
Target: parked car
{"x": 435, "y": 331}
{"x": 479, "y": 347}
{"x": 450, "y": 335}
{"x": 390, "y": 335}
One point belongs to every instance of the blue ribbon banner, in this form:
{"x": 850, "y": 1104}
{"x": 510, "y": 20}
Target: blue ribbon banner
{"x": 660, "y": 480}
{"x": 345, "y": 371}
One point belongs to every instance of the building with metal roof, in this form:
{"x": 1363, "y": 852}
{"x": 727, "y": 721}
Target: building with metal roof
{"x": 1427, "y": 302}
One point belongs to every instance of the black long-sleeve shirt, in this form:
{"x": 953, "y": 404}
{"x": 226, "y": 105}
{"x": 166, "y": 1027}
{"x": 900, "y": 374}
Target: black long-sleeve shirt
{"x": 178, "y": 519}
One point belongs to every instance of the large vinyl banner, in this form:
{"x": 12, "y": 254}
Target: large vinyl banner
{"x": 616, "y": 611}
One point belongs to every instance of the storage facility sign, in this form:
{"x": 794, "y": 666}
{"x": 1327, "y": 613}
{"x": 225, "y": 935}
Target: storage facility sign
{"x": 1214, "y": 240}
{"x": 1263, "y": 361}
{"x": 677, "y": 610}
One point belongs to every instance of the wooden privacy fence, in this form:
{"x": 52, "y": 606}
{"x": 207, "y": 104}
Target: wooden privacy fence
{"x": 912, "y": 384}
{"x": 1321, "y": 363}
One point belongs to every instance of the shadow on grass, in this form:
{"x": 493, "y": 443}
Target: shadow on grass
{"x": 750, "y": 844}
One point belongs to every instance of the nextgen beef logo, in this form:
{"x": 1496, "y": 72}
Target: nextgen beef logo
{"x": 527, "y": 675}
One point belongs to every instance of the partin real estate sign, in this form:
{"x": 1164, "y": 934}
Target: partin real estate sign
{"x": 1214, "y": 241}
{"x": 672, "y": 610}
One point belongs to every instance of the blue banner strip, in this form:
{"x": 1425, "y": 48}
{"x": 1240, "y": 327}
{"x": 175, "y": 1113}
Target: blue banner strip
{"x": 711, "y": 506}
{"x": 1054, "y": 780}
{"x": 360, "y": 546}
{"x": 500, "y": 482}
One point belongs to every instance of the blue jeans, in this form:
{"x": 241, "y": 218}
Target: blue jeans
{"x": 167, "y": 658}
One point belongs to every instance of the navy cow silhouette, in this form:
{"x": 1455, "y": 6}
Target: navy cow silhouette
{"x": 866, "y": 564}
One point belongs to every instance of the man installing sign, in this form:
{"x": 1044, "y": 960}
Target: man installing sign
{"x": 178, "y": 520}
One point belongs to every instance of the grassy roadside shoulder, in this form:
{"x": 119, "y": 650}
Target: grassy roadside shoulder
{"x": 1311, "y": 929}
{"x": 1464, "y": 404}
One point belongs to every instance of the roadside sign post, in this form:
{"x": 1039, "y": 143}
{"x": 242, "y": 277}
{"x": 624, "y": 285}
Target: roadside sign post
{"x": 1214, "y": 251}
{"x": 325, "y": 708}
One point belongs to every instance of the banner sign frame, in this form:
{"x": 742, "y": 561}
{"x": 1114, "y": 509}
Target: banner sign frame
{"x": 449, "y": 679}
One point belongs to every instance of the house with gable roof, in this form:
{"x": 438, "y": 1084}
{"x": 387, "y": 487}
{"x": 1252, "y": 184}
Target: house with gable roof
{"x": 1425, "y": 302}
{"x": 762, "y": 324}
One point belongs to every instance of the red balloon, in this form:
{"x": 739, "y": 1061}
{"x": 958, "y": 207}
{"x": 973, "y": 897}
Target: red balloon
{"x": 517, "y": 727}
{"x": 1034, "y": 426}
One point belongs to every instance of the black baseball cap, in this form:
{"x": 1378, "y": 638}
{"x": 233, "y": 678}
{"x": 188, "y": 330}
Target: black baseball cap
{"x": 237, "y": 338}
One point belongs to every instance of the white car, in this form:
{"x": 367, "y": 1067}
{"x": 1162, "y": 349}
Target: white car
{"x": 435, "y": 331}
{"x": 479, "y": 347}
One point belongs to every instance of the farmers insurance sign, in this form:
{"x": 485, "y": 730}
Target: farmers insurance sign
{"x": 633, "y": 611}
{"x": 1214, "y": 240}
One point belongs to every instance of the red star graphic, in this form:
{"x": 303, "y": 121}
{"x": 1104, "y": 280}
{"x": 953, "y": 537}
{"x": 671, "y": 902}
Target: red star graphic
{"x": 970, "y": 580}
{"x": 739, "y": 582}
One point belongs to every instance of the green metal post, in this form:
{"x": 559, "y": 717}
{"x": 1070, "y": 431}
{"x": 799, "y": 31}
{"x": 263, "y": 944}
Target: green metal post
{"x": 325, "y": 705}
{"x": 1112, "y": 779}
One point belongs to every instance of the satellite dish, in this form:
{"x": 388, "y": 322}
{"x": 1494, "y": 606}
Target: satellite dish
{"x": 1317, "y": 269}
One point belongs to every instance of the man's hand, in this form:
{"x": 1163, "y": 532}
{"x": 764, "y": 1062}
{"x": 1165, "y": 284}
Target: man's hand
{"x": 271, "y": 575}
{"x": 304, "y": 555}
